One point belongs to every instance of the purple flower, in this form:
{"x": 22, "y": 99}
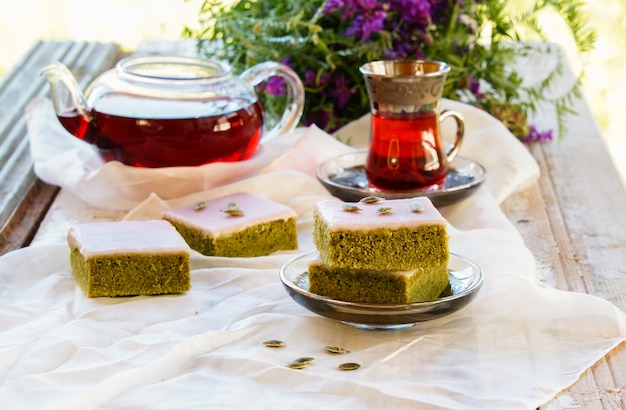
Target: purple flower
{"x": 535, "y": 135}
{"x": 364, "y": 25}
{"x": 366, "y": 16}
{"x": 474, "y": 87}
{"x": 275, "y": 86}
{"x": 309, "y": 77}
{"x": 340, "y": 91}
{"x": 442, "y": 8}
{"x": 414, "y": 11}
{"x": 397, "y": 53}
{"x": 334, "y": 5}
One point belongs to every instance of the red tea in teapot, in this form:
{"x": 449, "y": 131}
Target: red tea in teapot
{"x": 158, "y": 133}
{"x": 405, "y": 152}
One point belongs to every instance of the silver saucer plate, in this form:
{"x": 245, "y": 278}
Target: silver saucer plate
{"x": 344, "y": 177}
{"x": 465, "y": 279}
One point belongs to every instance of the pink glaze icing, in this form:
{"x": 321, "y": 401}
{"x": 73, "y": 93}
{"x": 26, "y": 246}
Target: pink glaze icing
{"x": 211, "y": 220}
{"x": 126, "y": 237}
{"x": 333, "y": 215}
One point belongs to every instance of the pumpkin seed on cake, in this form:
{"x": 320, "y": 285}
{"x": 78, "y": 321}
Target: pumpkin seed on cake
{"x": 241, "y": 224}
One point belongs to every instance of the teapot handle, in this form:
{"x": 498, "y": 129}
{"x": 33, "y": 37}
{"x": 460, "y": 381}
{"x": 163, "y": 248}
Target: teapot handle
{"x": 294, "y": 94}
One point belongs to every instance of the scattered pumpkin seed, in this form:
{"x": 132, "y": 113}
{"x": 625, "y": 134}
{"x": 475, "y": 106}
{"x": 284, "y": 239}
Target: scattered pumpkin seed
{"x": 351, "y": 208}
{"x": 300, "y": 363}
{"x": 349, "y": 366}
{"x": 305, "y": 360}
{"x": 416, "y": 207}
{"x": 336, "y": 350}
{"x": 199, "y": 205}
{"x": 232, "y": 205}
{"x": 274, "y": 343}
{"x": 384, "y": 210}
{"x": 371, "y": 199}
{"x": 297, "y": 365}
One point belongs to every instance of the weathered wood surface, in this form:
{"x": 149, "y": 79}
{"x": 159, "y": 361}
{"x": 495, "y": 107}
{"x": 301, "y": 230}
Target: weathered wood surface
{"x": 573, "y": 222}
{"x": 24, "y": 199}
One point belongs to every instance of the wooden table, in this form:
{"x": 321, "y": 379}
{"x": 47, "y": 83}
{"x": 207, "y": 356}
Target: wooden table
{"x": 572, "y": 219}
{"x": 573, "y": 222}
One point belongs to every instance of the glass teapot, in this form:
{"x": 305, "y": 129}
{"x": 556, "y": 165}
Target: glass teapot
{"x": 162, "y": 111}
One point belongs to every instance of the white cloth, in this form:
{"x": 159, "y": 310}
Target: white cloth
{"x": 63, "y": 160}
{"x": 514, "y": 346}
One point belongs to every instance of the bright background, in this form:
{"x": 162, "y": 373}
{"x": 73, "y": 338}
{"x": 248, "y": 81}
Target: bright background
{"x": 128, "y": 22}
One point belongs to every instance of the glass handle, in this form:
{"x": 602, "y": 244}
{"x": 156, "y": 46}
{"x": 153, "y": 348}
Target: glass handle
{"x": 460, "y": 132}
{"x": 295, "y": 94}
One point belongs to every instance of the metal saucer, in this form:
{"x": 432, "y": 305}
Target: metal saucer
{"x": 465, "y": 279}
{"x": 344, "y": 177}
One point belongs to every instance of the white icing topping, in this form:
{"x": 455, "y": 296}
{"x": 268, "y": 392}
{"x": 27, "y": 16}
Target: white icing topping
{"x": 126, "y": 237}
{"x": 212, "y": 221}
{"x": 332, "y": 214}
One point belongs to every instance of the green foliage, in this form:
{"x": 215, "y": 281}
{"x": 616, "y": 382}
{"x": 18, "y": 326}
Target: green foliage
{"x": 326, "y": 42}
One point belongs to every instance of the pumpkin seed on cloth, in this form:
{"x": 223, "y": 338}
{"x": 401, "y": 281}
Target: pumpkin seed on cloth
{"x": 306, "y": 360}
{"x": 336, "y": 350}
{"x": 297, "y": 365}
{"x": 274, "y": 343}
{"x": 348, "y": 366}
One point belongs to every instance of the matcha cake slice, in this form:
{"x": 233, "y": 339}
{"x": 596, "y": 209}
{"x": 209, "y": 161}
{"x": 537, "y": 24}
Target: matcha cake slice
{"x": 240, "y": 224}
{"x": 384, "y": 235}
{"x": 372, "y": 286}
{"x": 127, "y": 258}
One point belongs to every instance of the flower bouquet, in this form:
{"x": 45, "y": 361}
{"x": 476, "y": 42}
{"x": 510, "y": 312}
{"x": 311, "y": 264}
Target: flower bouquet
{"x": 326, "y": 41}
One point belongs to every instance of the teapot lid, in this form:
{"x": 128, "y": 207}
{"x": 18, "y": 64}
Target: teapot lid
{"x": 160, "y": 68}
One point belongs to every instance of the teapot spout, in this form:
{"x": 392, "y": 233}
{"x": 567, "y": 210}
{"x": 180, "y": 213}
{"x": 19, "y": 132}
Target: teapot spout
{"x": 67, "y": 98}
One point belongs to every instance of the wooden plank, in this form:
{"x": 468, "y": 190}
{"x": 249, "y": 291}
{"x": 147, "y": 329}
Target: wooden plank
{"x": 583, "y": 198}
{"x": 17, "y": 88}
{"x": 572, "y": 222}
{"x": 21, "y": 228}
